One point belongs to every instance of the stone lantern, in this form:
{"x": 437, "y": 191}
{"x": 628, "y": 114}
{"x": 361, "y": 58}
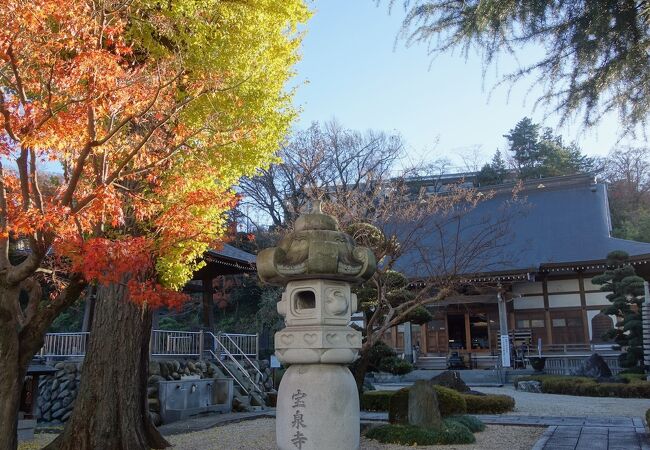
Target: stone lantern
{"x": 318, "y": 402}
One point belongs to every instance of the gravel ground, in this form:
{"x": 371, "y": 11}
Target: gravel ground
{"x": 527, "y": 403}
{"x": 260, "y": 435}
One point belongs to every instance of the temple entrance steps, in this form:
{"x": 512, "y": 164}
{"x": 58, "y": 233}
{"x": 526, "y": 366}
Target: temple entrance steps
{"x": 431, "y": 362}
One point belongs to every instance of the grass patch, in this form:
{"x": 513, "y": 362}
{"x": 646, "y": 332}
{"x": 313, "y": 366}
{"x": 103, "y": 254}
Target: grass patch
{"x": 452, "y": 432}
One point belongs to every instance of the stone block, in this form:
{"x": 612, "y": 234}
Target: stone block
{"x": 423, "y": 410}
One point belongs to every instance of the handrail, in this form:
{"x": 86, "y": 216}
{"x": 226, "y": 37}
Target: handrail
{"x": 239, "y": 366}
{"x": 228, "y": 370}
{"x": 243, "y": 354}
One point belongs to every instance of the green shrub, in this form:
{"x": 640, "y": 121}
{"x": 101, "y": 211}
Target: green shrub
{"x": 450, "y": 402}
{"x": 398, "y": 407}
{"x": 472, "y": 423}
{"x": 632, "y": 377}
{"x": 452, "y": 432}
{"x": 395, "y": 365}
{"x": 488, "y": 404}
{"x": 647, "y": 417}
{"x": 589, "y": 387}
{"x": 376, "y": 400}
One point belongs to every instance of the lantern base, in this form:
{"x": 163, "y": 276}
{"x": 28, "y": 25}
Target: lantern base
{"x": 317, "y": 408}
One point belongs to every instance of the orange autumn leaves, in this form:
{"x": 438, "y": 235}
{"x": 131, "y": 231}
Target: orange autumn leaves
{"x": 123, "y": 126}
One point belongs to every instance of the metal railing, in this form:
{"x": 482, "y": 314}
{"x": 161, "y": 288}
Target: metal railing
{"x": 162, "y": 343}
{"x": 566, "y": 364}
{"x": 57, "y": 345}
{"x": 576, "y": 348}
{"x": 176, "y": 343}
{"x": 240, "y": 345}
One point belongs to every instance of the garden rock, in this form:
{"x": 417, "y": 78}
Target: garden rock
{"x": 452, "y": 380}
{"x": 423, "y": 408}
{"x": 529, "y": 386}
{"x": 594, "y": 367}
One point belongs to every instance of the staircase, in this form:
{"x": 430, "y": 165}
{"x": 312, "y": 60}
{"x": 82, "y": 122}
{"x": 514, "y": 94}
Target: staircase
{"x": 431, "y": 362}
{"x": 249, "y": 380}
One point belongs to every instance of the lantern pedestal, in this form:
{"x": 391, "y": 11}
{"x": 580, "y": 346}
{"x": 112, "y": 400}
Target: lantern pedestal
{"x": 317, "y": 409}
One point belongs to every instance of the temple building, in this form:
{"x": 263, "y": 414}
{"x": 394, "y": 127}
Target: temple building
{"x": 542, "y": 291}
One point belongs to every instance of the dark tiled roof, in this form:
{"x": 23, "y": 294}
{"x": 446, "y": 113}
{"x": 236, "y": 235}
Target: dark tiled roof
{"x": 564, "y": 220}
{"x": 230, "y": 252}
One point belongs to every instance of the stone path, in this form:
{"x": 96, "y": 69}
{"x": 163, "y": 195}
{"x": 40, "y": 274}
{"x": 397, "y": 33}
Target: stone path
{"x": 581, "y": 433}
{"x": 200, "y": 423}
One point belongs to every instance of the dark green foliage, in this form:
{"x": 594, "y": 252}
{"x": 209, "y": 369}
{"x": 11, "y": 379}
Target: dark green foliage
{"x": 647, "y": 417}
{"x": 626, "y": 297}
{"x": 493, "y": 173}
{"x": 384, "y": 359}
{"x": 488, "y": 404}
{"x": 452, "y": 433}
{"x": 450, "y": 402}
{"x": 472, "y": 423}
{"x": 419, "y": 316}
{"x": 539, "y": 155}
{"x": 398, "y": 407}
{"x": 69, "y": 321}
{"x": 588, "y": 387}
{"x": 594, "y": 56}
{"x": 395, "y": 365}
{"x": 376, "y": 400}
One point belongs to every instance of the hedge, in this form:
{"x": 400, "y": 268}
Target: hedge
{"x": 453, "y": 432}
{"x": 376, "y": 400}
{"x": 589, "y": 387}
{"x": 472, "y": 423}
{"x": 488, "y": 404}
{"x": 450, "y": 402}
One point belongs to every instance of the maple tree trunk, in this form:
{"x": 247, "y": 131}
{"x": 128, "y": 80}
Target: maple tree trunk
{"x": 16, "y": 351}
{"x": 11, "y": 381}
{"x": 110, "y": 411}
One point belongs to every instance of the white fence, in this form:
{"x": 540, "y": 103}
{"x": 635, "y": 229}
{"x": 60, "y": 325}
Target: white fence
{"x": 64, "y": 345}
{"x": 162, "y": 343}
{"x": 239, "y": 344}
{"x": 176, "y": 343}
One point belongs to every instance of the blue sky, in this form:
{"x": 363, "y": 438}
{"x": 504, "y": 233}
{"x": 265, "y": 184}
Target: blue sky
{"x": 353, "y": 70}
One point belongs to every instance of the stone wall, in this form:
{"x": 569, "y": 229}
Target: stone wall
{"x": 57, "y": 392}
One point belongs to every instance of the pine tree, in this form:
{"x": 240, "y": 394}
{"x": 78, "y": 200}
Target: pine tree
{"x": 626, "y": 296}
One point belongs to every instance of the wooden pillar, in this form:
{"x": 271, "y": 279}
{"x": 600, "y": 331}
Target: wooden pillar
{"x": 424, "y": 336}
{"x": 468, "y": 334}
{"x": 547, "y": 312}
{"x": 583, "y": 308}
{"x": 208, "y": 312}
{"x": 393, "y": 337}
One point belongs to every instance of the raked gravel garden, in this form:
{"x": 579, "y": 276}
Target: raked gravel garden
{"x": 259, "y": 434}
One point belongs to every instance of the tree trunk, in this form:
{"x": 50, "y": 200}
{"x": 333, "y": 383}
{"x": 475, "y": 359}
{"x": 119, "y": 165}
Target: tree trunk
{"x": 361, "y": 366}
{"x": 111, "y": 410}
{"x": 11, "y": 381}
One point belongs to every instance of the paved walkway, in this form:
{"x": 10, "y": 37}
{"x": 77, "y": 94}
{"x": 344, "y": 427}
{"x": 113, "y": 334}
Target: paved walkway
{"x": 581, "y": 433}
